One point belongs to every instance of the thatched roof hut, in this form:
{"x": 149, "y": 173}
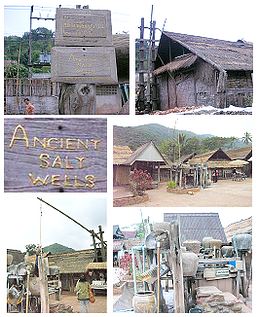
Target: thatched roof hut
{"x": 194, "y": 70}
{"x": 244, "y": 153}
{"x": 242, "y": 226}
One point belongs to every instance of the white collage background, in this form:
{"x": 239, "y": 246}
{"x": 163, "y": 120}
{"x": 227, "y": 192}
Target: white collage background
{"x": 222, "y": 19}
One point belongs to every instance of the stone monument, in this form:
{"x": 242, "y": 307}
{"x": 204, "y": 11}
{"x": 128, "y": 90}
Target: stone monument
{"x": 84, "y": 62}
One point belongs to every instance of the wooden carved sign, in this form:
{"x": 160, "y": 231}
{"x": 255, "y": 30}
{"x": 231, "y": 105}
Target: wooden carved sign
{"x": 83, "y": 27}
{"x": 77, "y": 65}
{"x": 50, "y": 155}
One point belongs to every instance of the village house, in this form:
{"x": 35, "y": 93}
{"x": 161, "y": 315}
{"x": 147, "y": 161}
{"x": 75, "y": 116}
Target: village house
{"x": 190, "y": 170}
{"x": 147, "y": 157}
{"x": 222, "y": 161}
{"x": 194, "y": 70}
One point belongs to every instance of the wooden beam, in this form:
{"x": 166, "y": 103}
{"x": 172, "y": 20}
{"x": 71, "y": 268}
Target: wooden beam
{"x": 175, "y": 263}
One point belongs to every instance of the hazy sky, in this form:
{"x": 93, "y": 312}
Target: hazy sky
{"x": 201, "y": 124}
{"x": 22, "y": 222}
{"x": 14, "y": 11}
{"x": 229, "y": 20}
{"x": 227, "y": 215}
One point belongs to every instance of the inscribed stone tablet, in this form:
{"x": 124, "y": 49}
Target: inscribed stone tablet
{"x": 84, "y": 65}
{"x": 83, "y": 27}
{"x": 52, "y": 155}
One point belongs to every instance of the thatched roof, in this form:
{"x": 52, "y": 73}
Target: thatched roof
{"x": 121, "y": 42}
{"x": 242, "y": 226}
{"x": 179, "y": 62}
{"x": 96, "y": 266}
{"x": 75, "y": 262}
{"x": 121, "y": 154}
{"x": 17, "y": 256}
{"x": 240, "y": 154}
{"x": 215, "y": 156}
{"x": 224, "y": 55}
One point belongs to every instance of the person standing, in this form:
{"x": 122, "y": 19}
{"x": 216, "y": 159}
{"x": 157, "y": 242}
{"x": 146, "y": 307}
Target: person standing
{"x": 82, "y": 290}
{"x": 29, "y": 108}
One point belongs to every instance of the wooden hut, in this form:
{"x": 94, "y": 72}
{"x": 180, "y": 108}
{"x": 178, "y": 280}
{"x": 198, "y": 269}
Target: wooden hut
{"x": 193, "y": 70}
{"x": 245, "y": 155}
{"x": 147, "y": 157}
{"x": 215, "y": 160}
{"x": 71, "y": 266}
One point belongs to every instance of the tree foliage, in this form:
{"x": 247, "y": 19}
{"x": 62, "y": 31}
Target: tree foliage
{"x": 31, "y": 248}
{"x": 188, "y": 145}
{"x": 42, "y": 42}
{"x": 247, "y": 138}
{"x": 12, "y": 69}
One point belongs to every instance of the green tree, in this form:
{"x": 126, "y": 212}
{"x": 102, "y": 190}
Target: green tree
{"x": 31, "y": 248}
{"x": 12, "y": 69}
{"x": 247, "y": 138}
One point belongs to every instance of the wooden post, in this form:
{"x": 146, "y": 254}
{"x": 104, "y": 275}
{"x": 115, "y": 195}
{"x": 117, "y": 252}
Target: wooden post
{"x": 43, "y": 284}
{"x": 103, "y": 253}
{"x": 175, "y": 263}
{"x": 27, "y": 293}
{"x": 18, "y": 79}
{"x": 180, "y": 177}
{"x": 158, "y": 277}
{"x": 158, "y": 172}
{"x": 94, "y": 245}
{"x": 141, "y": 66}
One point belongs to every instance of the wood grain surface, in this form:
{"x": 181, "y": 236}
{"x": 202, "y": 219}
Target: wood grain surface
{"x": 21, "y": 159}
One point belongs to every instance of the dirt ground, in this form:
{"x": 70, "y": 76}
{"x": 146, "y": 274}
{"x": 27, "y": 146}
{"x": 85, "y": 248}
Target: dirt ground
{"x": 224, "y": 193}
{"x": 100, "y": 305}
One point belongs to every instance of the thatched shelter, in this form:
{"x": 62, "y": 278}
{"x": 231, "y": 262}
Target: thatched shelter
{"x": 219, "y": 160}
{"x": 194, "y": 70}
{"x": 71, "y": 266}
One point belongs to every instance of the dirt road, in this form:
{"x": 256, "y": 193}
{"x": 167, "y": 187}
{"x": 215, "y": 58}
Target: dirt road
{"x": 98, "y": 307}
{"x": 224, "y": 193}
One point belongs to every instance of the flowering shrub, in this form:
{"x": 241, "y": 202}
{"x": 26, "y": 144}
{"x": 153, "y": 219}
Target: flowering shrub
{"x": 139, "y": 181}
{"x": 125, "y": 263}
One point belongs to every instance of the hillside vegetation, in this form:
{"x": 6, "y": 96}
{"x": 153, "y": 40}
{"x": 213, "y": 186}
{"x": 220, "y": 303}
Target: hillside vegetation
{"x": 170, "y": 141}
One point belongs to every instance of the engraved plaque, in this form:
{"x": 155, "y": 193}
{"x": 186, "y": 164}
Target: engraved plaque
{"x": 53, "y": 155}
{"x": 84, "y": 65}
{"x": 83, "y": 27}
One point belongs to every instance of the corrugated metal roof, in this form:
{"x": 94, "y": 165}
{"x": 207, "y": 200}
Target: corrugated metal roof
{"x": 196, "y": 226}
{"x": 180, "y": 62}
{"x": 221, "y": 54}
{"x": 131, "y": 159}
